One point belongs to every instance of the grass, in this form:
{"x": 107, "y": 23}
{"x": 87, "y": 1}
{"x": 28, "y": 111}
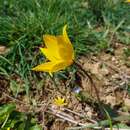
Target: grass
{"x": 23, "y": 23}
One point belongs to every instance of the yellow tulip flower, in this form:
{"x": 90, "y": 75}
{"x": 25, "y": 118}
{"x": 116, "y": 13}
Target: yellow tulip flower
{"x": 58, "y": 50}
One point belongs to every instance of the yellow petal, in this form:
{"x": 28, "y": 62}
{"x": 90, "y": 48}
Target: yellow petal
{"x": 46, "y": 67}
{"x": 52, "y": 66}
{"x": 58, "y": 98}
{"x": 61, "y": 65}
{"x": 49, "y": 54}
{"x": 67, "y": 40}
{"x": 65, "y": 50}
{"x": 62, "y": 100}
{"x": 52, "y": 45}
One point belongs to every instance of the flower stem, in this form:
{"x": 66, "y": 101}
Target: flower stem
{"x": 101, "y": 107}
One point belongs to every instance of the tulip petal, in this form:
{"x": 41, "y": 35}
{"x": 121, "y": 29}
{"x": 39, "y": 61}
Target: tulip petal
{"x": 52, "y": 66}
{"x": 60, "y": 65}
{"x": 67, "y": 40}
{"x": 65, "y": 50}
{"x": 49, "y": 54}
{"x": 52, "y": 45}
{"x": 46, "y": 67}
